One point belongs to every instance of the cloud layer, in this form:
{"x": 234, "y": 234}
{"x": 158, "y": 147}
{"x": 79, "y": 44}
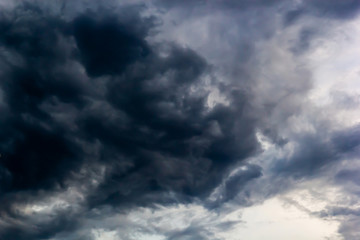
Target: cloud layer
{"x": 110, "y": 111}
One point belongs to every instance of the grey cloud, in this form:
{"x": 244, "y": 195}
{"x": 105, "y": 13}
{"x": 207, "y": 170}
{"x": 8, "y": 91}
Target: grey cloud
{"x": 313, "y": 152}
{"x": 351, "y": 175}
{"x": 341, "y": 10}
{"x": 153, "y": 131}
{"x": 92, "y": 88}
{"x": 233, "y": 185}
{"x": 322, "y": 8}
{"x": 333, "y": 8}
{"x": 350, "y": 220}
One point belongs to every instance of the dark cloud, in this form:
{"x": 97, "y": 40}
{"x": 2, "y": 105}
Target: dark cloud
{"x": 91, "y": 102}
{"x": 305, "y": 38}
{"x": 190, "y": 233}
{"x": 323, "y": 8}
{"x": 315, "y": 152}
{"x": 336, "y": 211}
{"x": 107, "y": 46}
{"x": 146, "y": 111}
{"x": 333, "y": 8}
{"x": 293, "y": 15}
{"x": 168, "y": 131}
{"x": 309, "y": 156}
{"x": 351, "y": 175}
{"x": 347, "y": 140}
{"x": 34, "y": 146}
{"x": 242, "y": 4}
{"x": 237, "y": 181}
{"x": 350, "y": 219}
{"x": 234, "y": 184}
{"x": 62, "y": 222}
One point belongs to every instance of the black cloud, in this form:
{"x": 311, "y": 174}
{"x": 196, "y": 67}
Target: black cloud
{"x": 89, "y": 101}
{"x": 156, "y": 134}
{"x": 106, "y": 46}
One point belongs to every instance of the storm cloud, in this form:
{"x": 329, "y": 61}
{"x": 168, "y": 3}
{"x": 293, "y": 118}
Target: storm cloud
{"x": 110, "y": 109}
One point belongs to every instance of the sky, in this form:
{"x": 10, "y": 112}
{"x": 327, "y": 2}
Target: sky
{"x": 180, "y": 120}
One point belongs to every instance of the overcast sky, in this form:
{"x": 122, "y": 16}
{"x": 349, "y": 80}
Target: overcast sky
{"x": 180, "y": 120}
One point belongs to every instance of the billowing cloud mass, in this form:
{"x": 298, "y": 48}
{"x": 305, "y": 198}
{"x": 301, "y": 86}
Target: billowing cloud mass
{"x": 179, "y": 120}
